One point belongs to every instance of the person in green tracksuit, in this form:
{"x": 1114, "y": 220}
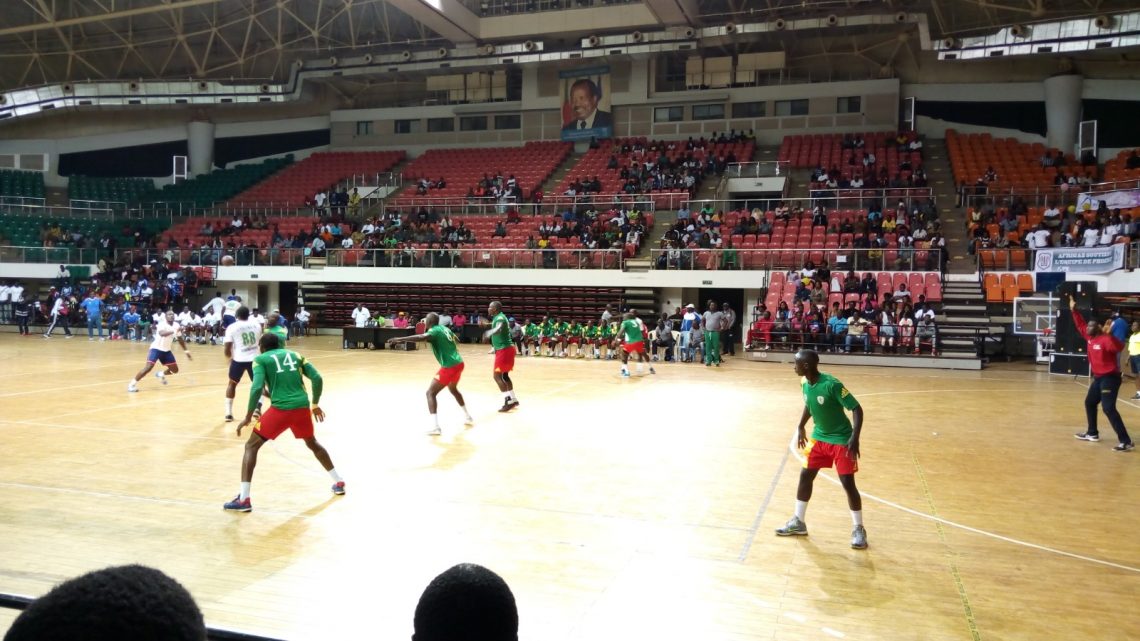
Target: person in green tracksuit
{"x": 713, "y": 324}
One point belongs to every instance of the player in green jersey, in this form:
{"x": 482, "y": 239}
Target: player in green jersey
{"x": 573, "y": 339}
{"x": 281, "y": 370}
{"x": 605, "y": 338}
{"x": 632, "y": 334}
{"x": 273, "y": 325}
{"x": 532, "y": 337}
{"x": 500, "y": 335}
{"x": 442, "y": 342}
{"x": 834, "y": 442}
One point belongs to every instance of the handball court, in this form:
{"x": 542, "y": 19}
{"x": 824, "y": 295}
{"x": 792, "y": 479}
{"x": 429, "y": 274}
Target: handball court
{"x": 615, "y": 509}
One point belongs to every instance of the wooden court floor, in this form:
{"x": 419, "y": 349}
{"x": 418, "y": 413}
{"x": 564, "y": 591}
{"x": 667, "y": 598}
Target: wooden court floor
{"x": 615, "y": 509}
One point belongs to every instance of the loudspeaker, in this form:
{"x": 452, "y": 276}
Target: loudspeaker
{"x": 1069, "y": 340}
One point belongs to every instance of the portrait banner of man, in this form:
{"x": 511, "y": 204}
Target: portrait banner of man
{"x": 586, "y": 110}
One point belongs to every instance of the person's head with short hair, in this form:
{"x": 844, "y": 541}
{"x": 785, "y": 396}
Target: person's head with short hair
{"x": 242, "y": 313}
{"x": 584, "y": 97}
{"x": 274, "y": 317}
{"x": 431, "y": 320}
{"x": 124, "y": 602}
{"x": 469, "y": 602}
{"x": 807, "y": 363}
{"x": 269, "y": 342}
{"x": 494, "y": 308}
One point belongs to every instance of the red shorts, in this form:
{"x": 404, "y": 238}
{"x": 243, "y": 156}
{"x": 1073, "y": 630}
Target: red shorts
{"x": 634, "y": 348}
{"x": 275, "y": 421}
{"x": 504, "y": 360}
{"x": 449, "y": 375}
{"x": 575, "y": 340}
{"x": 820, "y": 455}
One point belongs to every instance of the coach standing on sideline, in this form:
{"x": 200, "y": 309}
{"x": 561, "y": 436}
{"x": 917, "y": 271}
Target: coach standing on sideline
{"x": 1104, "y": 362}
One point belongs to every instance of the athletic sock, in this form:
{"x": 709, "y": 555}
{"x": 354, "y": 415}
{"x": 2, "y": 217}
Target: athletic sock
{"x": 465, "y": 412}
{"x": 511, "y": 396}
{"x": 335, "y": 477}
{"x": 435, "y": 420}
{"x": 857, "y": 517}
{"x": 801, "y": 509}
{"x": 229, "y": 407}
{"x": 244, "y": 493}
{"x": 506, "y": 397}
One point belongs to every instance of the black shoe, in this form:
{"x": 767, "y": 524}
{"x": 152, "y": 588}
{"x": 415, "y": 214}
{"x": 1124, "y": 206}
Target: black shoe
{"x": 1087, "y": 436}
{"x": 1124, "y": 447}
{"x": 229, "y": 417}
{"x": 508, "y": 406}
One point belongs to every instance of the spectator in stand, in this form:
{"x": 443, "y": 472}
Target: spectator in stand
{"x": 926, "y": 332}
{"x": 1052, "y": 216}
{"x": 857, "y": 331}
{"x": 690, "y": 325}
{"x": 663, "y": 338}
{"x": 761, "y": 331}
{"x": 902, "y": 293}
{"x": 836, "y": 329}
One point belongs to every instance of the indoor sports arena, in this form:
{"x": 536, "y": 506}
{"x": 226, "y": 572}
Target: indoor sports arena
{"x": 569, "y": 320}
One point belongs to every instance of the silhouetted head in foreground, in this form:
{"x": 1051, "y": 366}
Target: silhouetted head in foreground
{"x": 467, "y": 602}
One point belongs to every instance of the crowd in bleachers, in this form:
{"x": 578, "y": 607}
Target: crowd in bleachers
{"x": 1016, "y": 228}
{"x": 901, "y": 237}
{"x": 642, "y": 166}
{"x": 985, "y": 165}
{"x": 858, "y": 161}
{"x": 838, "y": 312}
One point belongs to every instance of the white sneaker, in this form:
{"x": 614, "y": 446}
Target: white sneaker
{"x": 1136, "y": 396}
{"x": 469, "y": 422}
{"x": 435, "y": 431}
{"x": 160, "y": 376}
{"x": 132, "y": 388}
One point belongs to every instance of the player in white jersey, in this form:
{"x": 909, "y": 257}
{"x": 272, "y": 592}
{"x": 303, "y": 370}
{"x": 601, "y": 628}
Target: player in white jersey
{"x": 231, "y": 307}
{"x": 258, "y": 318}
{"x": 241, "y": 348}
{"x": 166, "y": 331}
{"x": 216, "y": 305}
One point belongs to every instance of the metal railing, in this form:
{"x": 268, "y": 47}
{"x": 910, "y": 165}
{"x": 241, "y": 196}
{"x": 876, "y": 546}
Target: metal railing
{"x": 552, "y": 206}
{"x": 481, "y": 257}
{"x": 393, "y": 179}
{"x": 862, "y": 198}
{"x": 59, "y": 211}
{"x": 1036, "y": 198}
{"x": 829, "y": 204}
{"x": 758, "y": 169}
{"x": 21, "y": 201}
{"x": 791, "y": 259}
{"x": 491, "y": 258}
{"x": 98, "y": 205}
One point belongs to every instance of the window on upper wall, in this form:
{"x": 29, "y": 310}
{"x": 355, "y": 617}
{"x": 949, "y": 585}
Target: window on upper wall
{"x": 472, "y": 123}
{"x": 364, "y": 128}
{"x": 440, "y": 124}
{"x": 508, "y": 121}
{"x": 791, "y": 107}
{"x": 408, "y": 126}
{"x": 708, "y": 112}
{"x": 849, "y": 105}
{"x": 668, "y": 114}
{"x": 749, "y": 109}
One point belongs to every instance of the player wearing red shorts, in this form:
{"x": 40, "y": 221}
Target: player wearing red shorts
{"x": 500, "y": 335}
{"x": 442, "y": 343}
{"x": 631, "y": 333}
{"x": 834, "y": 441}
{"x": 281, "y": 370}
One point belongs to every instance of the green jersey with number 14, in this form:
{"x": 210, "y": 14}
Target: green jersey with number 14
{"x": 282, "y": 370}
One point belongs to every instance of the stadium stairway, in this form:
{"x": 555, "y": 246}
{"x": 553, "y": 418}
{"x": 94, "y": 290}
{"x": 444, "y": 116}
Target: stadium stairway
{"x": 965, "y": 318}
{"x": 564, "y": 169}
{"x": 936, "y": 160}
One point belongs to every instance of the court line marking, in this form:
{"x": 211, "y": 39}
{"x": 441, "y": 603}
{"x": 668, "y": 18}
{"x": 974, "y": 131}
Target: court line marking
{"x": 1126, "y": 401}
{"x": 763, "y": 509}
{"x": 967, "y": 528}
{"x": 968, "y": 609}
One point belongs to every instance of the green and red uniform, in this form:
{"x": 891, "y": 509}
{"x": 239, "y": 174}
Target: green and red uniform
{"x": 631, "y": 333}
{"x": 828, "y": 401}
{"x": 442, "y": 342}
{"x": 282, "y": 371}
{"x": 504, "y": 346}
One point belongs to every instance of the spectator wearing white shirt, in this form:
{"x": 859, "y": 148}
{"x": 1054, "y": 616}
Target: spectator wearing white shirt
{"x": 445, "y": 319}
{"x": 1052, "y": 217}
{"x": 1091, "y": 236}
{"x": 301, "y": 321}
{"x": 258, "y": 318}
{"x": 5, "y": 303}
{"x": 902, "y": 293}
{"x": 360, "y": 315}
{"x": 346, "y": 243}
{"x": 1039, "y": 238}
{"x": 1108, "y": 234}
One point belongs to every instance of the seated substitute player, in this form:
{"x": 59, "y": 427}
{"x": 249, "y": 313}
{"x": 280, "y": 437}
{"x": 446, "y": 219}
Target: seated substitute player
{"x": 631, "y": 333}
{"x": 442, "y": 342}
{"x": 834, "y": 441}
{"x": 532, "y": 338}
{"x": 550, "y": 336}
{"x": 166, "y": 331}
{"x": 574, "y": 338}
{"x": 504, "y": 347}
{"x": 605, "y": 339}
{"x": 289, "y": 409}
{"x": 240, "y": 345}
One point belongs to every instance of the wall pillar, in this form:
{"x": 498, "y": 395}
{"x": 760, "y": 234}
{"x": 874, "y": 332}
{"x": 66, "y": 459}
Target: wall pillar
{"x": 200, "y": 143}
{"x": 1063, "y": 110}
